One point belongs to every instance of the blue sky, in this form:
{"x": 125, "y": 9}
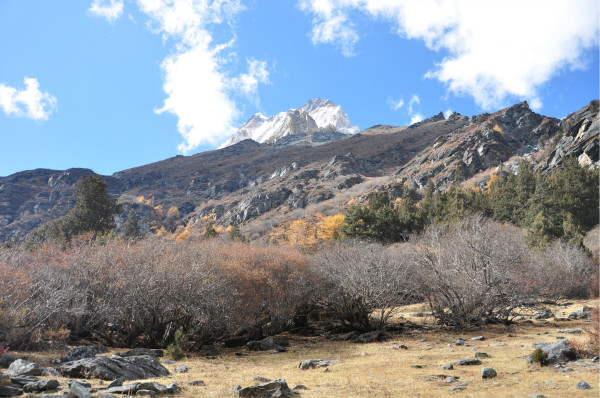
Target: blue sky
{"x": 114, "y": 84}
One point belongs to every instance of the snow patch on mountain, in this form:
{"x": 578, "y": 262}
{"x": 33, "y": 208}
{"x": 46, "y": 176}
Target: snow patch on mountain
{"x": 316, "y": 115}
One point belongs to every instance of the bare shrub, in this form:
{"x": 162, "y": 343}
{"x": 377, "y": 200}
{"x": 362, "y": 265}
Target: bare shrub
{"x": 360, "y": 278}
{"x": 472, "y": 272}
{"x": 562, "y": 271}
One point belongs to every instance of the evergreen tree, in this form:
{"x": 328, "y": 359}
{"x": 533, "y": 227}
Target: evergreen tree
{"x": 210, "y": 232}
{"x": 131, "y": 228}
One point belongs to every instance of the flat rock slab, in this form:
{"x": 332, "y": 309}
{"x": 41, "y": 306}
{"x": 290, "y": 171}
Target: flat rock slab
{"x": 468, "y": 362}
{"x": 101, "y": 367}
{"x": 87, "y": 351}
{"x": 313, "y": 363}
{"x": 41, "y": 385}
{"x": 273, "y": 389}
{"x": 141, "y": 351}
{"x": 9, "y": 391}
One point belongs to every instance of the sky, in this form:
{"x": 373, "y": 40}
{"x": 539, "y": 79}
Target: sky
{"x": 114, "y": 84}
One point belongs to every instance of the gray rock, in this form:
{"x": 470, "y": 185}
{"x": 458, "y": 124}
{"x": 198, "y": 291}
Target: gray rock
{"x": 500, "y": 344}
{"x": 152, "y": 386}
{"x": 537, "y": 396}
{"x": 79, "y": 391}
{"x": 299, "y": 387}
{"x": 267, "y": 344}
{"x": 557, "y": 352}
{"x": 260, "y": 379}
{"x": 450, "y": 379}
{"x": 583, "y": 385}
{"x": 105, "y": 395}
{"x": 581, "y": 314}
{"x": 101, "y": 367}
{"x": 145, "y": 393}
{"x": 459, "y": 342}
{"x": 236, "y": 388}
{"x": 468, "y": 362}
{"x": 565, "y": 370}
{"x": 544, "y": 313}
{"x": 181, "y": 368}
{"x": 570, "y": 331}
{"x": 81, "y": 383}
{"x": 141, "y": 351}
{"x": 313, "y": 363}
{"x": 481, "y": 355}
{"x": 115, "y": 383}
{"x": 168, "y": 362}
{"x": 478, "y": 338}
{"x": 20, "y": 367}
{"x": 196, "y": 383}
{"x": 42, "y": 385}
{"x": 273, "y": 389}
{"x": 400, "y": 347}
{"x": 368, "y": 337}
{"x": 488, "y": 373}
{"x": 21, "y": 381}
{"x": 10, "y": 391}
{"x": 447, "y": 366}
{"x": 88, "y": 351}
{"x": 417, "y": 366}
{"x": 173, "y": 388}
{"x": 126, "y": 389}
{"x": 595, "y": 359}
{"x": 457, "y": 387}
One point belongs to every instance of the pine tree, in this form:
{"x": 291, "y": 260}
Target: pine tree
{"x": 210, "y": 232}
{"x": 131, "y": 228}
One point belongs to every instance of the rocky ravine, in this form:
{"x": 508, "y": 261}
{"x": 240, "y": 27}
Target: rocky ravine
{"x": 246, "y": 181}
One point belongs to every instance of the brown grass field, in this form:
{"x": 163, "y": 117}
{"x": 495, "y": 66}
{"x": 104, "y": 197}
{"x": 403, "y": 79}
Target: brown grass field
{"x": 380, "y": 370}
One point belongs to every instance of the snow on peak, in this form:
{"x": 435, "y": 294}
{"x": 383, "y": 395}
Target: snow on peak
{"x": 316, "y": 114}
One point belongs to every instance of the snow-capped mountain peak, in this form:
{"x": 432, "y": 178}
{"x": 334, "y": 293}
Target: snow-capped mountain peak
{"x": 316, "y": 115}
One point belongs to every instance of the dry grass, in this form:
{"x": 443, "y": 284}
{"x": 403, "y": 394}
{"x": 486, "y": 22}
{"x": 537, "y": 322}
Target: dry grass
{"x": 379, "y": 370}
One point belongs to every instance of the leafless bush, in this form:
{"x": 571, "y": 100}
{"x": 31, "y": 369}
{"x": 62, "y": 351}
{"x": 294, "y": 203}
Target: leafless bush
{"x": 360, "y": 278}
{"x": 563, "y": 271}
{"x": 472, "y": 272}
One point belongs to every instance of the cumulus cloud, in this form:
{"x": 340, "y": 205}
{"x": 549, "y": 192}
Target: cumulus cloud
{"x": 395, "y": 104}
{"x": 495, "y": 48}
{"x": 200, "y": 91}
{"x": 110, "y": 10}
{"x": 29, "y": 102}
{"x": 448, "y": 113}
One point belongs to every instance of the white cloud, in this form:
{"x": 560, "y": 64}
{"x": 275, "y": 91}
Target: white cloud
{"x": 448, "y": 113}
{"x": 30, "y": 102}
{"x": 395, "y": 104}
{"x": 110, "y": 10}
{"x": 416, "y": 118}
{"x": 200, "y": 91}
{"x": 496, "y": 48}
{"x": 414, "y": 100}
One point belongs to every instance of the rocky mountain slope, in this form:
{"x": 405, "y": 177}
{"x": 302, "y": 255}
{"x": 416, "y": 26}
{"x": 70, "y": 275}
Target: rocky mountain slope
{"x": 257, "y": 184}
{"x": 317, "y": 115}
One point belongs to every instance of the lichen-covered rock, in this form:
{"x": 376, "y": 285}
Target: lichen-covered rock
{"x": 101, "y": 367}
{"x": 561, "y": 351}
{"x": 273, "y": 389}
{"x": 41, "y": 385}
{"x": 488, "y": 373}
{"x": 21, "y": 367}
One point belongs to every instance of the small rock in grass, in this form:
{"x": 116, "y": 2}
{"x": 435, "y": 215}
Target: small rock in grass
{"x": 447, "y": 366}
{"x": 79, "y": 391}
{"x": 42, "y": 385}
{"x": 459, "y": 342}
{"x": 168, "y": 361}
{"x": 488, "y": 373}
{"x": 417, "y": 366}
{"x": 500, "y": 344}
{"x": 451, "y": 379}
{"x": 196, "y": 383}
{"x": 400, "y": 347}
{"x": 461, "y": 386}
{"x": 583, "y": 385}
{"x": 481, "y": 355}
{"x": 260, "y": 379}
{"x": 236, "y": 388}
{"x": 478, "y": 338}
{"x": 299, "y": 387}
{"x": 565, "y": 370}
{"x": 149, "y": 393}
{"x": 181, "y": 368}
{"x": 537, "y": 396}
{"x": 468, "y": 362}
{"x": 115, "y": 383}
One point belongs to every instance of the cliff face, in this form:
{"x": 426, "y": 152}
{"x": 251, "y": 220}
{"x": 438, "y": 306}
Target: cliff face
{"x": 250, "y": 183}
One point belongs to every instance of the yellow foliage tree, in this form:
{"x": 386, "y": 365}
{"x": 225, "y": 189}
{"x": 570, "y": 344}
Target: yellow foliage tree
{"x": 329, "y": 227}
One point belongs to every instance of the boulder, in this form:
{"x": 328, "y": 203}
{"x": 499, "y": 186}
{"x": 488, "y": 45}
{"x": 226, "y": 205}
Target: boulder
{"x": 273, "y": 389}
{"x": 78, "y": 391}
{"x": 141, "y": 351}
{"x": 9, "y": 391}
{"x": 266, "y": 344}
{"x": 21, "y": 381}
{"x": 101, "y": 367}
{"x": 152, "y": 386}
{"x": 41, "y": 385}
{"x": 561, "y": 351}
{"x": 148, "y": 393}
{"x": 583, "y": 385}
{"x": 21, "y": 367}
{"x": 468, "y": 362}
{"x": 370, "y": 337}
{"x": 88, "y": 351}
{"x": 488, "y": 373}
{"x": 581, "y": 314}
{"x": 313, "y": 363}
{"x": 544, "y": 313}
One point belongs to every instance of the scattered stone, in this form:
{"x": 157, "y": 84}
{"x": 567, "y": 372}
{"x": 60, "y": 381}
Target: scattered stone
{"x": 500, "y": 344}
{"x": 86, "y": 351}
{"x": 276, "y": 388}
{"x": 583, "y": 313}
{"x": 423, "y": 340}
{"x": 79, "y": 391}
{"x": 313, "y": 363}
{"x": 565, "y": 370}
{"x": 560, "y": 351}
{"x": 145, "y": 393}
{"x": 478, "y": 338}
{"x": 81, "y": 383}
{"x": 459, "y": 342}
{"x": 583, "y": 385}
{"x": 210, "y": 357}
{"x": 450, "y": 379}
{"x": 101, "y": 367}
{"x": 173, "y": 388}
{"x": 468, "y": 362}
{"x": 572, "y": 331}
{"x": 266, "y": 344}
{"x": 447, "y": 366}
{"x": 141, "y": 351}
{"x": 196, "y": 383}
{"x": 457, "y": 387}
{"x": 181, "y": 368}
{"x": 42, "y": 385}
{"x": 417, "y": 366}
{"x": 152, "y": 386}
{"x": 488, "y": 373}
{"x": 260, "y": 379}
{"x": 126, "y": 389}
{"x": 115, "y": 383}
{"x": 537, "y": 396}
{"x": 545, "y": 313}
{"x": 400, "y": 347}
{"x": 368, "y": 337}
{"x": 279, "y": 350}
{"x": 21, "y": 367}
{"x": 299, "y": 387}
{"x": 168, "y": 361}
{"x": 481, "y": 355}
{"x": 236, "y": 388}
{"x": 10, "y": 391}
